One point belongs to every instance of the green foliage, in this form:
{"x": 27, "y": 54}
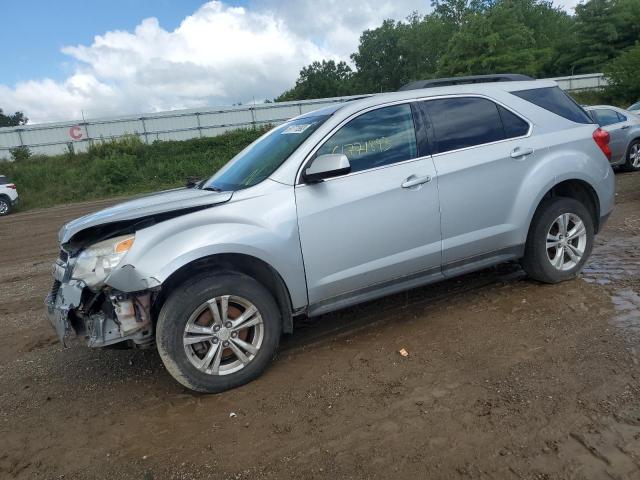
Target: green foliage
{"x": 14, "y": 120}
{"x": 318, "y": 80}
{"x": 20, "y": 154}
{"x": 122, "y": 167}
{"x": 380, "y": 59}
{"x": 595, "y": 97}
{"x": 623, "y": 77}
{"x": 472, "y": 37}
{"x": 510, "y": 36}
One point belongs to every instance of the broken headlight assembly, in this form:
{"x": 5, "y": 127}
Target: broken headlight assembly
{"x": 96, "y": 262}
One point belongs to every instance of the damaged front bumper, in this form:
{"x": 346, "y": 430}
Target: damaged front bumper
{"x": 100, "y": 318}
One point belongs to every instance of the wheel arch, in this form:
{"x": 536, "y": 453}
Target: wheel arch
{"x": 252, "y": 266}
{"x": 577, "y": 189}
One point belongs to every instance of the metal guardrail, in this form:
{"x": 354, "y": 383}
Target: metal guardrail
{"x": 77, "y": 136}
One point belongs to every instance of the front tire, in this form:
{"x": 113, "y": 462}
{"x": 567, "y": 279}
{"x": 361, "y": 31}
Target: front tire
{"x": 560, "y": 240}
{"x": 218, "y": 331}
{"x": 5, "y": 206}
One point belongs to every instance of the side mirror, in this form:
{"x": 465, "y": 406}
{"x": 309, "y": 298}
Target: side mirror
{"x": 326, "y": 166}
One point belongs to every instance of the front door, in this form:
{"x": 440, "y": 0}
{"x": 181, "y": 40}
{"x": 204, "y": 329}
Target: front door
{"x": 378, "y": 223}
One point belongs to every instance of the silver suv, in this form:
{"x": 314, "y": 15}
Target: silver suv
{"x": 333, "y": 208}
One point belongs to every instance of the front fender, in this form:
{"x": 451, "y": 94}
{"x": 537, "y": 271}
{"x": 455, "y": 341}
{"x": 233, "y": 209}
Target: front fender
{"x": 263, "y": 226}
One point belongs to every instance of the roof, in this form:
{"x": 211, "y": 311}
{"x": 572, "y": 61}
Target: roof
{"x": 473, "y": 79}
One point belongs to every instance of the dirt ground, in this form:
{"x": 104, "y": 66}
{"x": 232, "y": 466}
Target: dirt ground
{"x": 505, "y": 378}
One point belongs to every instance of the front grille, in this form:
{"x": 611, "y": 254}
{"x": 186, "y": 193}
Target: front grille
{"x": 64, "y": 256}
{"x": 51, "y": 298}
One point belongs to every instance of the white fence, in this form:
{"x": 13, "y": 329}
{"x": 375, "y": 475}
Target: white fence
{"x": 62, "y": 137}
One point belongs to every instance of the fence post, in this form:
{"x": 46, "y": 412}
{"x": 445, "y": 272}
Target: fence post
{"x": 144, "y": 130}
{"x": 199, "y": 125}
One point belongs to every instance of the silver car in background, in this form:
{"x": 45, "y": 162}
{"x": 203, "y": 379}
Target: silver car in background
{"x": 624, "y": 132}
{"x": 333, "y": 208}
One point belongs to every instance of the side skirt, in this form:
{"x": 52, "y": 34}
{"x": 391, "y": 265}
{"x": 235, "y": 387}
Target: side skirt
{"x": 426, "y": 277}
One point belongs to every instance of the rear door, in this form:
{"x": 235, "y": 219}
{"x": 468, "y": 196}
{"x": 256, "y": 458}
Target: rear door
{"x": 616, "y": 124}
{"x": 380, "y": 222}
{"x": 481, "y": 152}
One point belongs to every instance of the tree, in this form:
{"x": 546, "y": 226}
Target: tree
{"x": 320, "y": 79}
{"x": 509, "y": 36}
{"x": 14, "y": 120}
{"x": 381, "y": 61}
{"x": 456, "y": 12}
{"x": 423, "y": 41}
{"x": 622, "y": 73}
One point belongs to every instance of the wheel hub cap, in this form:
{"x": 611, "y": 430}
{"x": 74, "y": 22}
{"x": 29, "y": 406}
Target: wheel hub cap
{"x": 566, "y": 241}
{"x": 223, "y": 335}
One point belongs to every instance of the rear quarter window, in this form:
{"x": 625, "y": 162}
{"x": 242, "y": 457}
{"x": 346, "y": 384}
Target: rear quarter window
{"x": 4, "y": 180}
{"x": 463, "y": 122}
{"x": 555, "y": 100}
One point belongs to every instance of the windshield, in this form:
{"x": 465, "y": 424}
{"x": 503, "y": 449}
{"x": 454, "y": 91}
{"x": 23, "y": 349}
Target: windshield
{"x": 260, "y": 159}
{"x": 635, "y": 106}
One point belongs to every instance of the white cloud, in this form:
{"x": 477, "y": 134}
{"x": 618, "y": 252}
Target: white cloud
{"x": 218, "y": 55}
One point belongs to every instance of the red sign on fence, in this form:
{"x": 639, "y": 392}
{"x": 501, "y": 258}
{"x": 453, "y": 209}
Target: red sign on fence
{"x": 75, "y": 132}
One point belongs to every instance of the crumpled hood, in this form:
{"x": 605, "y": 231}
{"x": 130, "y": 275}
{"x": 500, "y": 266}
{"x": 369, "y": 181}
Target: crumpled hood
{"x": 145, "y": 206}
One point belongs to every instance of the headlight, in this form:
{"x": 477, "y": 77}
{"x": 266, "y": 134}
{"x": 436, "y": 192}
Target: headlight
{"x": 95, "y": 263}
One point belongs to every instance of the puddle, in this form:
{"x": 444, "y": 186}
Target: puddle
{"x": 616, "y": 264}
{"x": 614, "y": 260}
{"x": 627, "y": 305}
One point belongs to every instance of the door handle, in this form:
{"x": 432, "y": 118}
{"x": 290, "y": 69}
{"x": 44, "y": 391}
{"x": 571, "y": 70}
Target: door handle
{"x": 521, "y": 152}
{"x": 414, "y": 181}
{"x": 624, "y": 127}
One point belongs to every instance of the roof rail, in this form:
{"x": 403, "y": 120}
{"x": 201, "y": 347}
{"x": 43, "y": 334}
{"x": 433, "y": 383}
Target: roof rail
{"x": 443, "y": 82}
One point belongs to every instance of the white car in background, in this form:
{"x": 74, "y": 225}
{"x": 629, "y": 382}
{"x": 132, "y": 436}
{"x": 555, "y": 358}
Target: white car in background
{"x": 8, "y": 196}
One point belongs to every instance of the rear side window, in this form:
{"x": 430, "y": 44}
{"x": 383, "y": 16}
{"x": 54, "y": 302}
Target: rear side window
{"x": 513, "y": 125}
{"x": 4, "y": 180}
{"x": 463, "y": 122}
{"x": 605, "y": 116}
{"x": 376, "y": 138}
{"x": 556, "y": 101}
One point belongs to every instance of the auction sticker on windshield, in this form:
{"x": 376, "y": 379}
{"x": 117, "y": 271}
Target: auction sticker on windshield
{"x": 297, "y": 128}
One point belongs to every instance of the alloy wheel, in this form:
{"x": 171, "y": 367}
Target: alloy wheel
{"x": 634, "y": 155}
{"x": 4, "y": 207}
{"x": 223, "y": 335}
{"x": 566, "y": 241}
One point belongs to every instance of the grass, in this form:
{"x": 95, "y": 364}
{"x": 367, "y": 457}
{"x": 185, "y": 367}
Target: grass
{"x": 121, "y": 167}
{"x": 597, "y": 97}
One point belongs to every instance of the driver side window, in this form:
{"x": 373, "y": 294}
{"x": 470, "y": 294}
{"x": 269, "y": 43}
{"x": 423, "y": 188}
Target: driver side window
{"x": 376, "y": 138}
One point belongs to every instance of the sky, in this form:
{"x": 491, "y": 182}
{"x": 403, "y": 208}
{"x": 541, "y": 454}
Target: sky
{"x": 65, "y": 60}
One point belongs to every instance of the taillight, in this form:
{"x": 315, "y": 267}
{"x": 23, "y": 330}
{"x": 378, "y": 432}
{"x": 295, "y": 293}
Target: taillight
{"x": 601, "y": 137}
{"x": 11, "y": 186}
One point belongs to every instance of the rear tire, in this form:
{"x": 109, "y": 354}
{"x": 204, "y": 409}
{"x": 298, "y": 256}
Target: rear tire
{"x": 560, "y": 240}
{"x": 208, "y": 307}
{"x": 633, "y": 157}
{"x": 5, "y": 206}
